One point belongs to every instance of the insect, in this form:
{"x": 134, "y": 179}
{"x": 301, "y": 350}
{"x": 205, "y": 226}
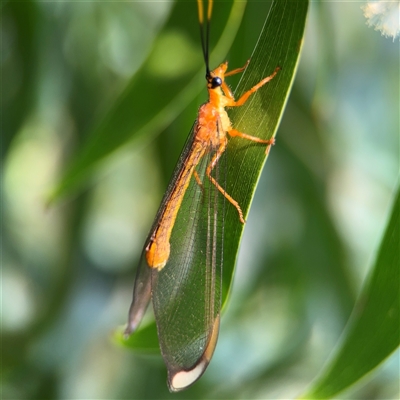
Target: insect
{"x": 181, "y": 264}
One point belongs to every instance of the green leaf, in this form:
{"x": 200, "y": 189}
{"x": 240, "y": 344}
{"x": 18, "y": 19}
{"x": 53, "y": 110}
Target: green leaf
{"x": 145, "y": 339}
{"x": 372, "y": 333}
{"x": 156, "y": 94}
{"x": 279, "y": 44}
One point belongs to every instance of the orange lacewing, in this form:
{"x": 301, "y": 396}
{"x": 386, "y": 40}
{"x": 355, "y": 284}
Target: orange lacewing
{"x": 181, "y": 263}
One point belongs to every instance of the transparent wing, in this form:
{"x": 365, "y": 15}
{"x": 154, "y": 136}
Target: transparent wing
{"x": 142, "y": 286}
{"x": 186, "y": 293}
{"x": 141, "y": 296}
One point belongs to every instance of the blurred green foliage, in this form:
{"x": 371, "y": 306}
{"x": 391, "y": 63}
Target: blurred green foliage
{"x": 373, "y": 331}
{"x": 318, "y": 217}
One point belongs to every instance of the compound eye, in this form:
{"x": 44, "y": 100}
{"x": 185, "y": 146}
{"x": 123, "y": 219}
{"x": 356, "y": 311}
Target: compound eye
{"x": 215, "y": 82}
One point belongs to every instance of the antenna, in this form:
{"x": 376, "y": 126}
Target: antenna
{"x": 205, "y": 31}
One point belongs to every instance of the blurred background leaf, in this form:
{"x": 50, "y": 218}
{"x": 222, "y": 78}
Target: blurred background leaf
{"x": 373, "y": 331}
{"x": 319, "y": 210}
{"x": 157, "y": 93}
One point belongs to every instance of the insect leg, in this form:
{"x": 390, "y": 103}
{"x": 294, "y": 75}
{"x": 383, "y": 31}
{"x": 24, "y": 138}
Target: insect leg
{"x": 210, "y": 167}
{"x": 269, "y": 142}
{"x": 198, "y": 180}
{"x": 254, "y": 89}
{"x": 237, "y": 70}
{"x": 227, "y": 91}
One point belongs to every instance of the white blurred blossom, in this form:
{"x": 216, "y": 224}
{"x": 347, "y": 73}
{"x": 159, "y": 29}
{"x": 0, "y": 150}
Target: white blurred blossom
{"x": 384, "y": 16}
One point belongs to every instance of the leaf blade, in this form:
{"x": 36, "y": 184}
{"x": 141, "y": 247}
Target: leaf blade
{"x": 372, "y": 333}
